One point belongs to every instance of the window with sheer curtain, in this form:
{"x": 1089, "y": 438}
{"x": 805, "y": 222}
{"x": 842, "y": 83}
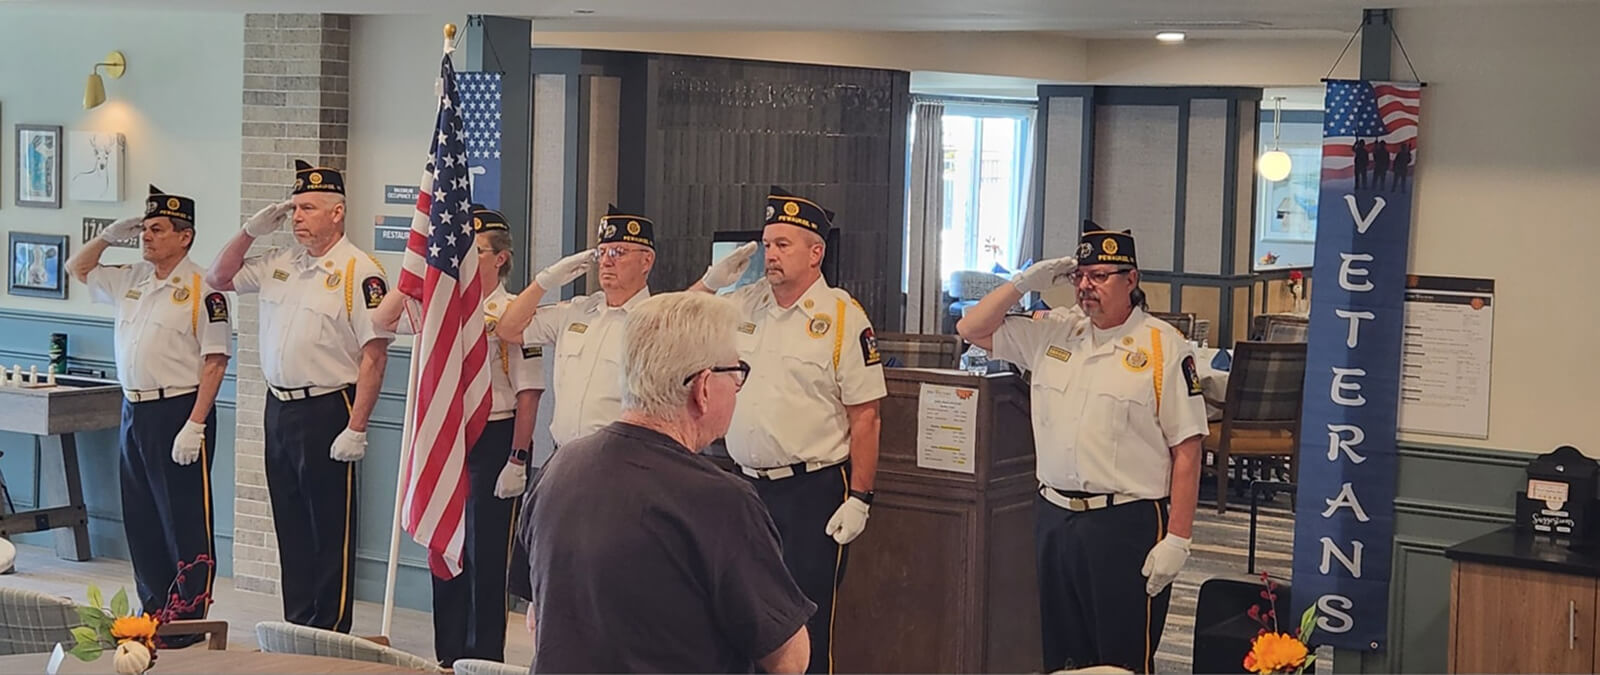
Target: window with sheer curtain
{"x": 986, "y": 164}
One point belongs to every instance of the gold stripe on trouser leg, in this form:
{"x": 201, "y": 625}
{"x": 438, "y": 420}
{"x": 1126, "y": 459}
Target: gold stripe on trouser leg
{"x": 211, "y": 545}
{"x": 349, "y": 491}
{"x": 1149, "y": 665}
{"x": 838, "y": 560}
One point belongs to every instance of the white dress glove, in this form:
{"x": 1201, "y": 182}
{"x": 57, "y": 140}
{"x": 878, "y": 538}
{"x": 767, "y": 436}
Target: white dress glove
{"x": 1161, "y": 566}
{"x": 512, "y": 481}
{"x": 123, "y": 230}
{"x": 349, "y": 446}
{"x": 268, "y": 220}
{"x": 565, "y": 270}
{"x": 723, "y": 273}
{"x": 1045, "y": 274}
{"x": 848, "y": 521}
{"x": 191, "y": 441}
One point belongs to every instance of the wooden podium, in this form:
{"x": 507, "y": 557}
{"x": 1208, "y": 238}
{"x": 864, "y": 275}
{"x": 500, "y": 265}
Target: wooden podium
{"x": 943, "y": 578}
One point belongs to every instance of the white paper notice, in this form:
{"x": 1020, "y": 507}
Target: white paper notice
{"x": 1444, "y": 382}
{"x": 947, "y": 427}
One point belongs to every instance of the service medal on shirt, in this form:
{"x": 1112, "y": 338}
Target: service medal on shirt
{"x": 333, "y": 280}
{"x": 819, "y": 326}
{"x": 180, "y": 295}
{"x": 1137, "y": 359}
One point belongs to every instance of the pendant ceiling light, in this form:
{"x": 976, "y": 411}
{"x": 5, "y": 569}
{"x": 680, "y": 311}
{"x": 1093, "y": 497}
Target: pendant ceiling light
{"x": 1274, "y": 164}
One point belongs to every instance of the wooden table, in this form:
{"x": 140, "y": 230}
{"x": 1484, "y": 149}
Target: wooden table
{"x": 194, "y": 660}
{"x": 53, "y": 415}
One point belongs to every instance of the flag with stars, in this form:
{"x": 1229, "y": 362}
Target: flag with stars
{"x": 1369, "y": 112}
{"x": 480, "y": 113}
{"x": 440, "y": 271}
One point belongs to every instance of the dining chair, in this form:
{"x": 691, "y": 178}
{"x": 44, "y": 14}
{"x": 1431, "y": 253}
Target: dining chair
{"x": 919, "y": 350}
{"x": 483, "y": 667}
{"x": 287, "y": 638}
{"x": 1286, "y": 329}
{"x": 1261, "y": 411}
{"x": 1183, "y": 321}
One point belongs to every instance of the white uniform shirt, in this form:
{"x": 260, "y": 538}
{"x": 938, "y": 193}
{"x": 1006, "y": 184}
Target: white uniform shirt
{"x": 1103, "y": 422}
{"x": 807, "y": 363}
{"x": 165, "y": 327}
{"x": 511, "y": 370}
{"x": 315, "y": 312}
{"x": 588, "y": 361}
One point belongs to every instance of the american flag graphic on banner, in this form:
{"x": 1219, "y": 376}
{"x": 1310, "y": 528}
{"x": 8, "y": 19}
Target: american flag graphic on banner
{"x": 1369, "y": 112}
{"x": 480, "y": 112}
{"x": 452, "y": 390}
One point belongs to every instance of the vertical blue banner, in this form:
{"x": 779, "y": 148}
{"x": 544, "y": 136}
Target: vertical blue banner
{"x": 1344, "y": 516}
{"x": 480, "y": 115}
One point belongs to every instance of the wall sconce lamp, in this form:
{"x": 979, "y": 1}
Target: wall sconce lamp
{"x": 1274, "y": 164}
{"x": 94, "y": 92}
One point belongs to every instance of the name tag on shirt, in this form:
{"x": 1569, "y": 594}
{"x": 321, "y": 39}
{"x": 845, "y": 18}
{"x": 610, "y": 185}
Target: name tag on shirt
{"x": 1058, "y": 354}
{"x": 747, "y": 328}
{"x": 132, "y": 294}
{"x": 578, "y": 328}
{"x": 280, "y": 275}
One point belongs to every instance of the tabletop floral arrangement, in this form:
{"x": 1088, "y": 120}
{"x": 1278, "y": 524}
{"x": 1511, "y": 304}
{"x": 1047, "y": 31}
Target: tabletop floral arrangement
{"x": 132, "y": 636}
{"x": 1273, "y": 651}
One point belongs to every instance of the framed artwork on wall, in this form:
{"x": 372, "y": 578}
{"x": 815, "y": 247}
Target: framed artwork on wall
{"x": 38, "y": 165}
{"x": 38, "y": 265}
{"x": 94, "y": 166}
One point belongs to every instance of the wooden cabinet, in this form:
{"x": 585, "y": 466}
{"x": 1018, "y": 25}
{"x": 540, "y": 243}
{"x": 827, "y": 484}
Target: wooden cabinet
{"x": 1512, "y": 620}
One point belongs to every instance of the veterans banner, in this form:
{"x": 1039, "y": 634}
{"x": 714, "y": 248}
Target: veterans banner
{"x": 1344, "y": 517}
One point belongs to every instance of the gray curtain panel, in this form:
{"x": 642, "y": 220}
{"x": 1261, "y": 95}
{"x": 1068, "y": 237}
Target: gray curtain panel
{"x": 924, "y": 219}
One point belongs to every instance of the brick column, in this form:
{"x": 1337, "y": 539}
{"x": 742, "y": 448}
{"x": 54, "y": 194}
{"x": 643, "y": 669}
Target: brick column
{"x": 296, "y": 106}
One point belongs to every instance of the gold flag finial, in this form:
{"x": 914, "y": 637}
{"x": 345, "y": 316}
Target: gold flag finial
{"x": 449, "y": 31}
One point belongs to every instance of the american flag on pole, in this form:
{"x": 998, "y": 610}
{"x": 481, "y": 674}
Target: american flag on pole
{"x": 1371, "y": 111}
{"x": 452, "y": 389}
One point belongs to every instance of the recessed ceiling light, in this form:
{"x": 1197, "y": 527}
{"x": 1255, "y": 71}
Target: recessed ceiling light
{"x": 582, "y": 11}
{"x": 1170, "y": 36}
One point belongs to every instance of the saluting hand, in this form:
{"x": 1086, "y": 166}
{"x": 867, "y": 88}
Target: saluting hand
{"x": 848, "y": 521}
{"x": 1161, "y": 566}
{"x": 512, "y": 481}
{"x": 1045, "y": 274}
{"x": 565, "y": 270}
{"x": 123, "y": 230}
{"x": 349, "y": 446}
{"x": 723, "y": 273}
{"x": 269, "y": 219}
{"x": 191, "y": 441}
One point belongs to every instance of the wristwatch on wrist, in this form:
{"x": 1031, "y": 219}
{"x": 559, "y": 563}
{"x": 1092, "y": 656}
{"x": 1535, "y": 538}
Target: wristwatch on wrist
{"x": 863, "y": 496}
{"x": 519, "y": 456}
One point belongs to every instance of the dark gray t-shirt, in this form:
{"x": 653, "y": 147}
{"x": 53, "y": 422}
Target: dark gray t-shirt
{"x": 645, "y": 557}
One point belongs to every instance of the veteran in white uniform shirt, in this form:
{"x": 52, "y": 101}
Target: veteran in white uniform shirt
{"x": 805, "y": 431}
{"x": 323, "y": 360}
{"x": 584, "y": 335}
{"x": 469, "y": 611}
{"x": 173, "y": 337}
{"x": 1117, "y": 422}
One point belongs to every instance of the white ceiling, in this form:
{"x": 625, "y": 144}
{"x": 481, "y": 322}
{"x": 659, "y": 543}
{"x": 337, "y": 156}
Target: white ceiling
{"x": 1082, "y": 18}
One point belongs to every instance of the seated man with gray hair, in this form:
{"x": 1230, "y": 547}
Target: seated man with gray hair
{"x": 644, "y": 555}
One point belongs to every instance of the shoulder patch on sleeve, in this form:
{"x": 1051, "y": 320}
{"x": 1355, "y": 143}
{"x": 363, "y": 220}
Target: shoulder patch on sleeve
{"x": 373, "y": 289}
{"x": 532, "y": 351}
{"x": 869, "y": 347}
{"x": 1191, "y": 376}
{"x": 216, "y": 307}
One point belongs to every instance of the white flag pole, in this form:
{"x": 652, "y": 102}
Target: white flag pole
{"x": 400, "y": 493}
{"x": 405, "y": 449}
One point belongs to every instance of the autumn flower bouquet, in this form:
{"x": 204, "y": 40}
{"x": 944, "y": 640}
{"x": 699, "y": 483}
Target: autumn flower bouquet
{"x": 132, "y": 636}
{"x": 1273, "y": 651}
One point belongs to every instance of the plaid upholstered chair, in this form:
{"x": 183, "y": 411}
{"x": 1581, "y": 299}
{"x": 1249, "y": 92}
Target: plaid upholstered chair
{"x": 917, "y": 350}
{"x": 32, "y": 622}
{"x": 482, "y": 667}
{"x": 1261, "y": 414}
{"x": 287, "y": 638}
{"x": 1286, "y": 329}
{"x": 1183, "y": 321}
